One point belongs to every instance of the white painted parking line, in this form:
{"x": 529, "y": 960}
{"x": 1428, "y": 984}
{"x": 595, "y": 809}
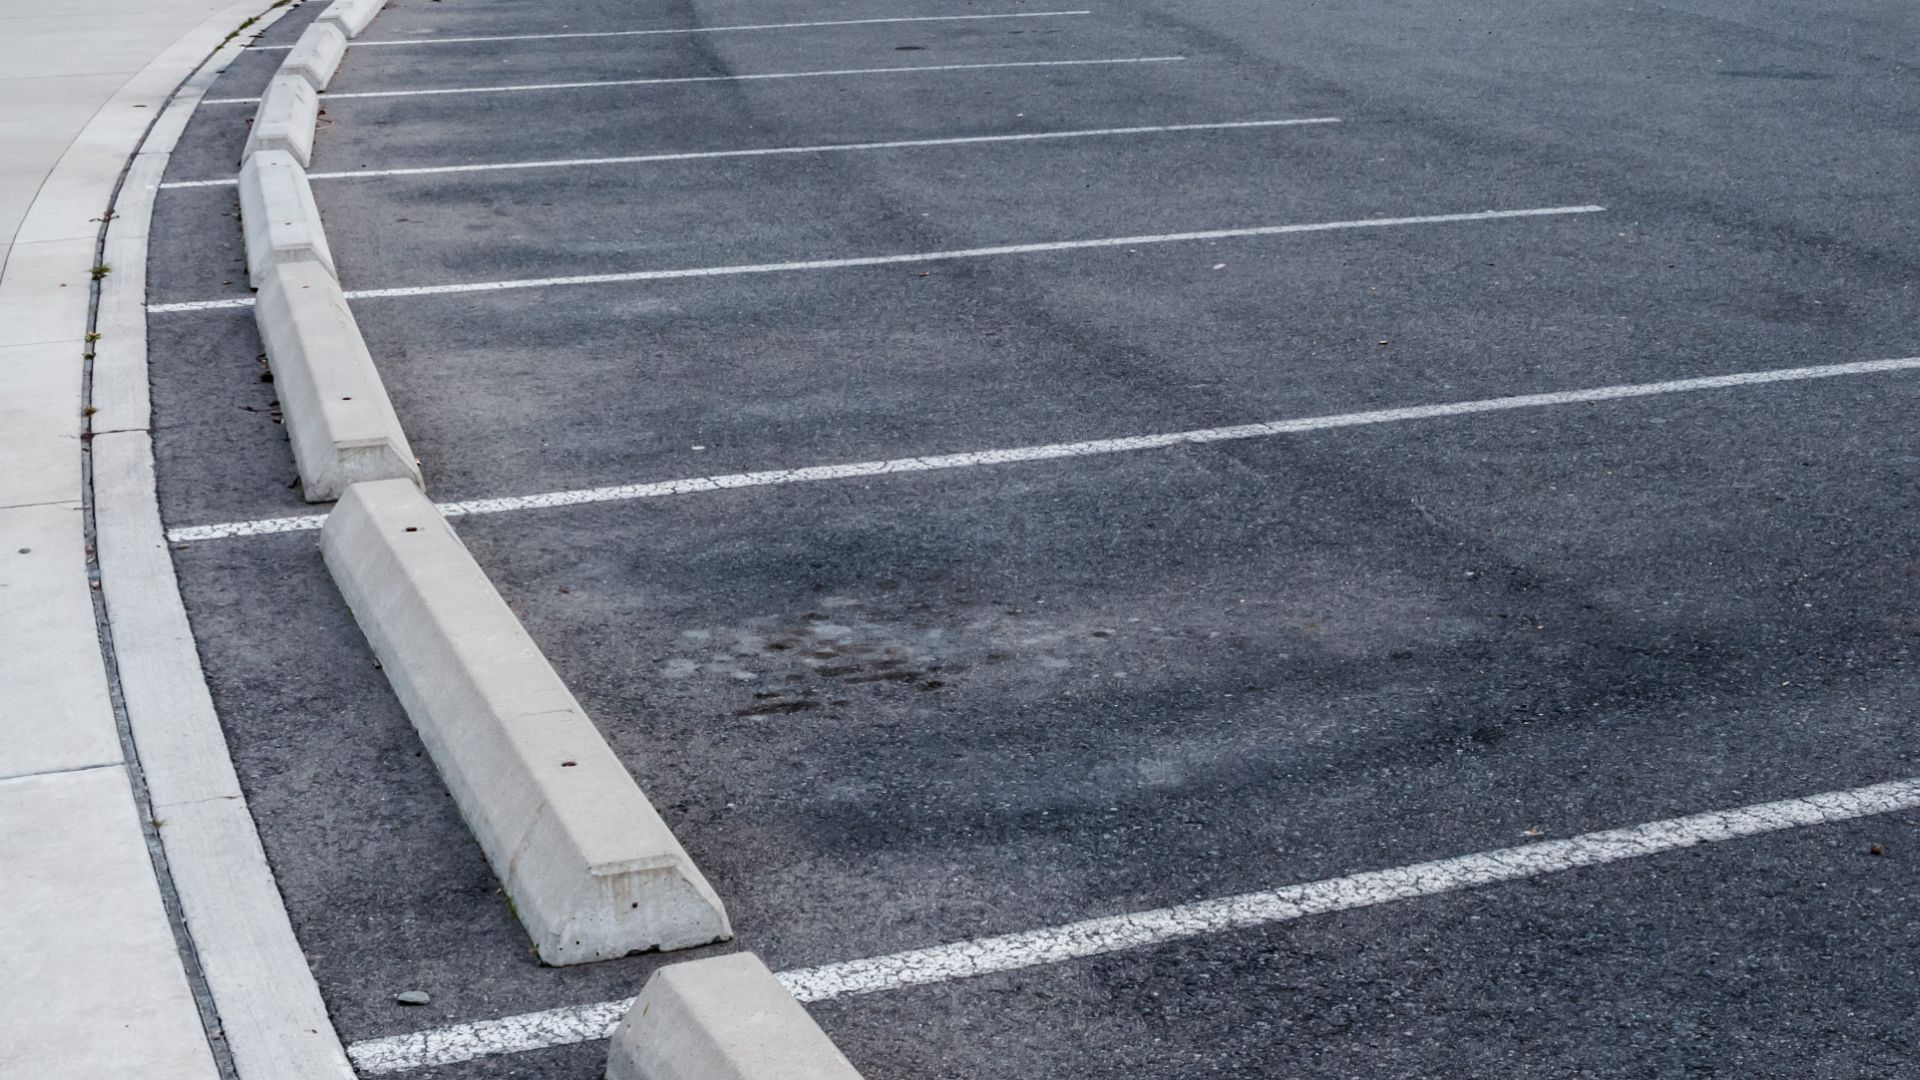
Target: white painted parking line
{"x": 912, "y": 257}
{"x": 1056, "y": 451}
{"x": 527, "y": 87}
{"x": 698, "y": 29}
{"x": 772, "y": 151}
{"x": 1140, "y": 929}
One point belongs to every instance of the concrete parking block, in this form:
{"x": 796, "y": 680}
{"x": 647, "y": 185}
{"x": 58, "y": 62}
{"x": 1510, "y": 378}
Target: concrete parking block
{"x": 722, "y": 1018}
{"x": 339, "y": 419}
{"x": 351, "y": 16}
{"x": 316, "y": 56}
{"x": 281, "y": 222}
{"x": 285, "y": 120}
{"x": 591, "y": 869}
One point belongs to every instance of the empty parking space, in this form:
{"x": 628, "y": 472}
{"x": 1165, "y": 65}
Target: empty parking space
{"x": 988, "y": 467}
{"x": 758, "y": 50}
{"x": 1116, "y": 687}
{"x": 1336, "y": 991}
{"x": 375, "y": 132}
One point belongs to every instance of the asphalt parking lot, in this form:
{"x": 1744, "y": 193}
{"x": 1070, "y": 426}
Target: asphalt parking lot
{"x": 935, "y": 699}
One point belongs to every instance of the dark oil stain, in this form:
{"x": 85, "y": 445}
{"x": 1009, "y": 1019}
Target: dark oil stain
{"x": 890, "y": 676}
{"x": 1776, "y": 73}
{"x": 1797, "y": 309}
{"x": 774, "y": 707}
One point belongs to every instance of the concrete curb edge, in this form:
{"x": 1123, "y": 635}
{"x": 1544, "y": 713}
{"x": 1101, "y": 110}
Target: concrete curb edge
{"x": 267, "y": 1005}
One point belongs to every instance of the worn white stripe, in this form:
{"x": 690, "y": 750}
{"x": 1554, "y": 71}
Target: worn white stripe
{"x": 772, "y": 151}
{"x": 695, "y": 29}
{"x": 527, "y": 87}
{"x": 1054, "y": 451}
{"x": 1095, "y": 937}
{"x": 913, "y": 257}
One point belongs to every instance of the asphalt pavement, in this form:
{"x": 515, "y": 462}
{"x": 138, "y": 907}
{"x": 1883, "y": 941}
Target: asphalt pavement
{"x": 897, "y": 707}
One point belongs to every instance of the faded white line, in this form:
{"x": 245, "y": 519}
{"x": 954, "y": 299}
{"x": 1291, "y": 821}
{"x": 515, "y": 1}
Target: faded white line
{"x": 913, "y": 257}
{"x": 697, "y": 29}
{"x": 1055, "y": 451}
{"x": 771, "y": 151}
{"x": 525, "y": 87}
{"x": 1140, "y": 929}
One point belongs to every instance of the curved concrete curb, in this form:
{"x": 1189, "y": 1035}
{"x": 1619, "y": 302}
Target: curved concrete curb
{"x": 339, "y": 420}
{"x": 278, "y": 215}
{"x": 257, "y": 993}
{"x": 317, "y": 54}
{"x": 289, "y": 111}
{"x": 723, "y": 1018}
{"x": 591, "y": 869}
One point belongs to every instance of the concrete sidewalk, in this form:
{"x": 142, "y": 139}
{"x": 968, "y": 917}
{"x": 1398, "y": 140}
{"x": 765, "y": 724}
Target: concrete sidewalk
{"x": 97, "y": 985}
